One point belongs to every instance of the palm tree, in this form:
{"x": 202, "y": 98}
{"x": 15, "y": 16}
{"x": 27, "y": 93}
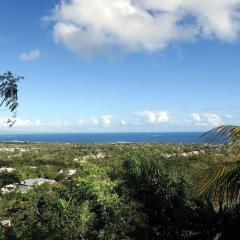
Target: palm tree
{"x": 9, "y": 94}
{"x": 222, "y": 186}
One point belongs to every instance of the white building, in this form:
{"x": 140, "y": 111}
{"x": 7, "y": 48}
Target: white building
{"x": 26, "y": 185}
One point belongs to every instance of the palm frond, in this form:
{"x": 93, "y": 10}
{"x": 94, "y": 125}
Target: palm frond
{"x": 223, "y": 185}
{"x": 223, "y": 134}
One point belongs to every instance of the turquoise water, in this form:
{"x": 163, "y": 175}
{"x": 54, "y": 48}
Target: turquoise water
{"x": 187, "y": 137}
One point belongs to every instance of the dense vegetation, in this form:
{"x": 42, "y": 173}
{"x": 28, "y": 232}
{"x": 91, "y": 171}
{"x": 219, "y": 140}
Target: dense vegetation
{"x": 119, "y": 191}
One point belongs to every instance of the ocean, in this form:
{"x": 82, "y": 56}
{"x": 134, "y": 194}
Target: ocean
{"x": 186, "y": 137}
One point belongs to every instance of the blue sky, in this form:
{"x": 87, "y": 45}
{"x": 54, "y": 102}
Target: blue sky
{"x": 93, "y": 66}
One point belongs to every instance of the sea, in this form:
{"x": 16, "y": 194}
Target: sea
{"x": 185, "y": 137}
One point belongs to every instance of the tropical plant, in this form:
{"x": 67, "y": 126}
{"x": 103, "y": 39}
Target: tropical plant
{"x": 9, "y": 94}
{"x": 222, "y": 185}
{"x": 168, "y": 211}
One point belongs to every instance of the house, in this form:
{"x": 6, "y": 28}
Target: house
{"x": 26, "y": 185}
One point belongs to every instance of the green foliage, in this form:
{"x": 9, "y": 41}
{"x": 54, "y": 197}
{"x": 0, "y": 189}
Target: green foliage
{"x": 9, "y": 93}
{"x": 8, "y": 178}
{"x": 132, "y": 191}
{"x": 222, "y": 185}
{"x": 87, "y": 208}
{"x": 112, "y": 211}
{"x": 164, "y": 200}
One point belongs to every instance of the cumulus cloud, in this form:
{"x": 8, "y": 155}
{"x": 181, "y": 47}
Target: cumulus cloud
{"x": 196, "y": 117}
{"x": 100, "y": 121}
{"x": 32, "y": 55}
{"x": 214, "y": 119}
{"x": 107, "y": 120}
{"x": 207, "y": 119}
{"x": 99, "y": 27}
{"x": 154, "y": 117}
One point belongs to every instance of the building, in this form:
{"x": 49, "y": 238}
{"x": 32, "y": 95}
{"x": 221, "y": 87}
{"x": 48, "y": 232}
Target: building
{"x": 26, "y": 185}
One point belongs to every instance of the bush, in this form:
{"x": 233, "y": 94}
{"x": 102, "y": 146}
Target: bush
{"x": 8, "y": 178}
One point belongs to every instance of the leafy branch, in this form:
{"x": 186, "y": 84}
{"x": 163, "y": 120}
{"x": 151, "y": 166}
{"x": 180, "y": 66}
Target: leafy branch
{"x": 9, "y": 94}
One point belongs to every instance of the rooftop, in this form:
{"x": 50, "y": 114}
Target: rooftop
{"x": 38, "y": 181}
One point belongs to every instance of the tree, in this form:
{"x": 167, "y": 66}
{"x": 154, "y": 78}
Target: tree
{"x": 88, "y": 207}
{"x": 169, "y": 213}
{"x": 9, "y": 94}
{"x": 223, "y": 184}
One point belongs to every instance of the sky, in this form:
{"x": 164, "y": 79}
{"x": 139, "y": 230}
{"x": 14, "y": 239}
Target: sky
{"x": 122, "y": 65}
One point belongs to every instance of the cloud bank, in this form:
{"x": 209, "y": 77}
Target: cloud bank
{"x": 104, "y": 27}
{"x": 209, "y": 119}
{"x": 138, "y": 121}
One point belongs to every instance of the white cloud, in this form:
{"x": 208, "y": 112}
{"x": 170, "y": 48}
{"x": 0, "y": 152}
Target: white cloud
{"x": 107, "y": 120}
{"x": 21, "y": 122}
{"x": 154, "y": 117}
{"x": 32, "y": 55}
{"x": 207, "y": 119}
{"x": 196, "y": 117}
{"x": 101, "y": 121}
{"x": 55, "y": 123}
{"x": 214, "y": 119}
{"x": 162, "y": 117}
{"x": 143, "y": 120}
{"x": 27, "y": 123}
{"x": 98, "y": 27}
